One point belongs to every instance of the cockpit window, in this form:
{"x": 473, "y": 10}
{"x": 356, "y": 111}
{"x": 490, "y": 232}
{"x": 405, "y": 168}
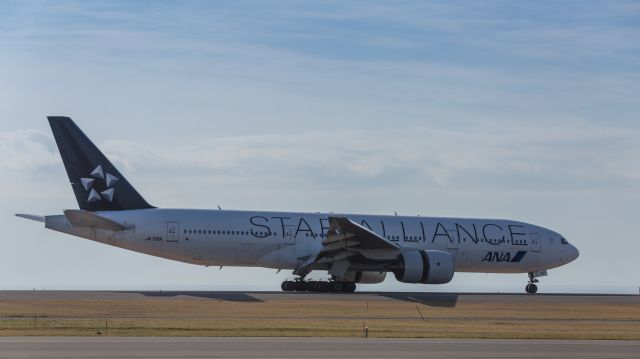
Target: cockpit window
{"x": 563, "y": 241}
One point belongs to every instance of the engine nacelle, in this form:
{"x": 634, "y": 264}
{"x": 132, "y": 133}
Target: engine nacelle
{"x": 368, "y": 277}
{"x": 428, "y": 267}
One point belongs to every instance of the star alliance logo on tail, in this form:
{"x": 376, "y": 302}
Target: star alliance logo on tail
{"x": 109, "y": 180}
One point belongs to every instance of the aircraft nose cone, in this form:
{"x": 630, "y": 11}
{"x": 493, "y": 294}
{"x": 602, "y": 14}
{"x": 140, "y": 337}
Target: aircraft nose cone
{"x": 572, "y": 253}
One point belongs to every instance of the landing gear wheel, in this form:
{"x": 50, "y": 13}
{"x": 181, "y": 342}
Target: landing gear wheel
{"x": 311, "y": 286}
{"x": 300, "y": 286}
{"x": 288, "y": 286}
{"x": 348, "y": 287}
{"x": 324, "y": 287}
{"x": 337, "y": 287}
{"x": 531, "y": 288}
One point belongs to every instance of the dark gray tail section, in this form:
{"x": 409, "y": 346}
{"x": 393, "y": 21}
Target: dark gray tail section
{"x": 97, "y": 184}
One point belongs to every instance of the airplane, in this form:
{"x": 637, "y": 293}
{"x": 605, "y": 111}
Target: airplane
{"x": 351, "y": 248}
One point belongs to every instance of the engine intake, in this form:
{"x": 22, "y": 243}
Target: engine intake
{"x": 428, "y": 267}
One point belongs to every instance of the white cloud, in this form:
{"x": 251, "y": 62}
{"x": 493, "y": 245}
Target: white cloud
{"x": 576, "y": 154}
{"x": 27, "y": 150}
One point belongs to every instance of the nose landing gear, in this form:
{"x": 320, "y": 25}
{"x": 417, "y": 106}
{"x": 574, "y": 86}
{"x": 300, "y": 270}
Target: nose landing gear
{"x": 531, "y": 287}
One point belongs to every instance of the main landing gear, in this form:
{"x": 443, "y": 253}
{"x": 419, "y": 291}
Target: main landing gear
{"x": 301, "y": 285}
{"x": 531, "y": 287}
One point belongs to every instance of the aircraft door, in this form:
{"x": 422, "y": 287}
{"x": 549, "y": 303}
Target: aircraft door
{"x": 453, "y": 242}
{"x": 172, "y": 232}
{"x": 535, "y": 242}
{"x": 289, "y": 236}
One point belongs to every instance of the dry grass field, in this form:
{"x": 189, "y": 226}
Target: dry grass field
{"x": 321, "y": 316}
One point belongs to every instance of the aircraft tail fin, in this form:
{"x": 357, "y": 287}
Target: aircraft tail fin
{"x": 96, "y": 183}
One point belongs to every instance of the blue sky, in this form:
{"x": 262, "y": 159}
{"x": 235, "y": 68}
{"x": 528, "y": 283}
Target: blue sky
{"x": 480, "y": 109}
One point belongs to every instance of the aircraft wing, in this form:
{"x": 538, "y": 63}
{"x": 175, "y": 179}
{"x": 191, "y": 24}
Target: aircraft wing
{"x": 347, "y": 238}
{"x": 351, "y": 234}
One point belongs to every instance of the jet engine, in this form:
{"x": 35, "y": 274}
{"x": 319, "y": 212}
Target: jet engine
{"x": 428, "y": 267}
{"x": 370, "y": 277}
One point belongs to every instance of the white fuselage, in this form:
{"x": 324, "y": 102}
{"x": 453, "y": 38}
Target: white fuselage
{"x": 282, "y": 240}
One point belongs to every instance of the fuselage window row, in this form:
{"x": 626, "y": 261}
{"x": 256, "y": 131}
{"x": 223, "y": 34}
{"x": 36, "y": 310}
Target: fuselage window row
{"x": 322, "y": 235}
{"x": 224, "y": 232}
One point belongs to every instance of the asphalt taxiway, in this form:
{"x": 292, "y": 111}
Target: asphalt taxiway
{"x": 108, "y": 347}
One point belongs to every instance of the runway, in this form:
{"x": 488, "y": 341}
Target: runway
{"x": 74, "y": 347}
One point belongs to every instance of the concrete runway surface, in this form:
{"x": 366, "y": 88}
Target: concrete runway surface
{"x": 110, "y": 347}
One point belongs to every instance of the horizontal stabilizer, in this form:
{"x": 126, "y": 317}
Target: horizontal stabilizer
{"x": 32, "y": 217}
{"x": 80, "y": 218}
